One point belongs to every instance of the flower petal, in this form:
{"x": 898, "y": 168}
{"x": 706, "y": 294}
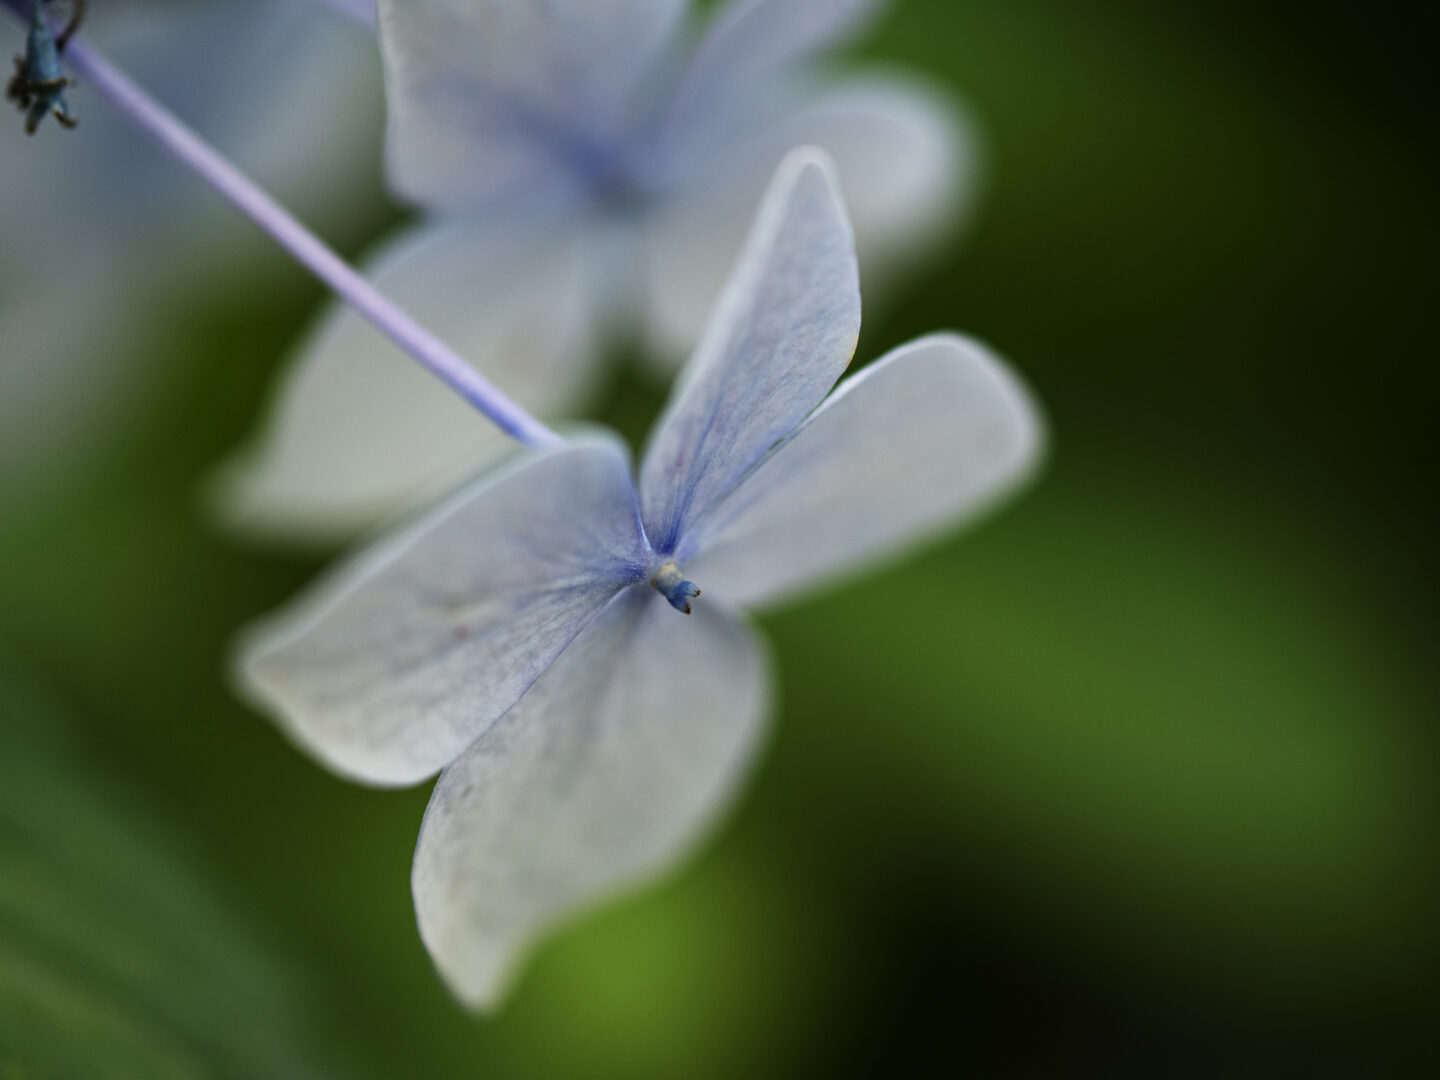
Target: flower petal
{"x": 749, "y": 41}
{"x": 503, "y": 100}
{"x": 904, "y": 152}
{"x": 782, "y": 332}
{"x": 905, "y": 158}
{"x": 606, "y": 772}
{"x": 689, "y": 243}
{"x": 924, "y": 439}
{"x": 360, "y": 433}
{"x": 404, "y": 655}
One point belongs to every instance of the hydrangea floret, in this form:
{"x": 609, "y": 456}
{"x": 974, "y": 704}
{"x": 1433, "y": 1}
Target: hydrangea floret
{"x": 525, "y": 638}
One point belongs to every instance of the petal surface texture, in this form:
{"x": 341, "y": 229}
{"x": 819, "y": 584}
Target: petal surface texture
{"x": 608, "y": 771}
{"x": 922, "y": 440}
{"x": 360, "y": 432}
{"x": 403, "y": 656}
{"x": 512, "y": 100}
{"x": 783, "y": 331}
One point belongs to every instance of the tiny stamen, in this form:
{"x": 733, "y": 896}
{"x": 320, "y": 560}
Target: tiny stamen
{"x": 671, "y": 584}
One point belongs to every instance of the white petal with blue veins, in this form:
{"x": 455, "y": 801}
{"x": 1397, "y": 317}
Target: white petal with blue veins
{"x": 921, "y": 441}
{"x": 609, "y": 770}
{"x": 400, "y": 658}
{"x": 782, "y": 332}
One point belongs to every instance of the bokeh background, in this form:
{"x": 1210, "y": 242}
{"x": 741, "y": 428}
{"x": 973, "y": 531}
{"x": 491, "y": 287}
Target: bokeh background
{"x": 1139, "y": 779}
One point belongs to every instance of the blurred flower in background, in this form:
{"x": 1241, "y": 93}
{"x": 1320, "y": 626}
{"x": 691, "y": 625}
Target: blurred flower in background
{"x": 583, "y": 169}
{"x": 103, "y": 236}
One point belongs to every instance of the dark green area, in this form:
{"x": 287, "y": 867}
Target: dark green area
{"x": 1138, "y": 779}
{"x": 120, "y": 952}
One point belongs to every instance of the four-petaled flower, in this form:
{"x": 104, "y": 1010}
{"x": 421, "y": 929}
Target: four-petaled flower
{"x": 579, "y": 165}
{"x": 519, "y": 639}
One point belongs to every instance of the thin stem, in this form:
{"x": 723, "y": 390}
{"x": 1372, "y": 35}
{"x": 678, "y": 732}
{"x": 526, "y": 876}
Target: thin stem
{"x": 310, "y": 250}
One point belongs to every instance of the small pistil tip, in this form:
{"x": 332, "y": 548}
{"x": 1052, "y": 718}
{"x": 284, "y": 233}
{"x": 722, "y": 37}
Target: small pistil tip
{"x": 671, "y": 584}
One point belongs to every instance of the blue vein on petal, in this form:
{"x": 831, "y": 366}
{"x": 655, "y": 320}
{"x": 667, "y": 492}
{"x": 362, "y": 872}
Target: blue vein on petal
{"x": 675, "y": 529}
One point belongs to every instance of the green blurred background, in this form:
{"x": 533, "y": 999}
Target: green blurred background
{"x": 1136, "y": 780}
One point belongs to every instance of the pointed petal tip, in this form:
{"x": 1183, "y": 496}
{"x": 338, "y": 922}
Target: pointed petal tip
{"x": 482, "y": 985}
{"x": 781, "y": 333}
{"x": 804, "y": 166}
{"x": 808, "y": 158}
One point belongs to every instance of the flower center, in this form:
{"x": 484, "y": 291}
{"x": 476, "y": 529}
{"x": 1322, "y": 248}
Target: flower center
{"x": 671, "y": 584}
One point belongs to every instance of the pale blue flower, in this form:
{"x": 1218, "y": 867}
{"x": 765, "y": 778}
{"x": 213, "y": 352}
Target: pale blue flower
{"x": 583, "y": 167}
{"x": 103, "y": 236}
{"x": 517, "y": 638}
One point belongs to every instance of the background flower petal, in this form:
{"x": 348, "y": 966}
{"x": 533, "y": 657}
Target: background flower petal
{"x": 607, "y": 771}
{"x": 906, "y": 159}
{"x": 749, "y": 41}
{"x": 403, "y": 655}
{"x": 690, "y": 243}
{"x": 924, "y": 439}
{"x": 782, "y": 333}
{"x": 500, "y": 99}
{"x": 905, "y": 154}
{"x": 359, "y": 432}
